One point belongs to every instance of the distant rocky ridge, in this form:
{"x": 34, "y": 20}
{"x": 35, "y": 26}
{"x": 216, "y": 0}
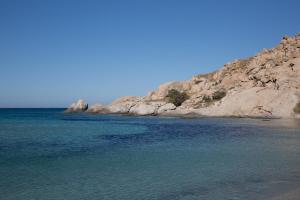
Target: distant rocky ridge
{"x": 265, "y": 85}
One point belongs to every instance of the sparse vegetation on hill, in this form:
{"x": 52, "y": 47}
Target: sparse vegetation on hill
{"x": 176, "y": 97}
{"x": 218, "y": 95}
{"x": 262, "y": 85}
{"x": 297, "y": 108}
{"x": 208, "y": 100}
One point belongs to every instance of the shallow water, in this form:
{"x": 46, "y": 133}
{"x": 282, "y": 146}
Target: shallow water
{"x": 46, "y": 154}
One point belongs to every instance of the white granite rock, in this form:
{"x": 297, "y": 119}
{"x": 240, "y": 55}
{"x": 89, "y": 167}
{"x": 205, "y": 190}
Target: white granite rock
{"x": 98, "y": 108}
{"x": 166, "y": 107}
{"x": 265, "y": 85}
{"x": 78, "y": 106}
{"x": 143, "y": 109}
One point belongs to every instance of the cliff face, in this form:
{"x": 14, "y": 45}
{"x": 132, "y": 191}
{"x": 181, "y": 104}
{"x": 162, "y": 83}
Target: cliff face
{"x": 265, "y": 85}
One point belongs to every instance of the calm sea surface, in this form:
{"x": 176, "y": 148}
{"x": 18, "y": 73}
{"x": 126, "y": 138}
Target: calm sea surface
{"x": 46, "y": 154}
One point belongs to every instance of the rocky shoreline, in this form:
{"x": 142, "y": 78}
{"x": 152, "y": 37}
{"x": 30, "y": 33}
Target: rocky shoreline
{"x": 265, "y": 85}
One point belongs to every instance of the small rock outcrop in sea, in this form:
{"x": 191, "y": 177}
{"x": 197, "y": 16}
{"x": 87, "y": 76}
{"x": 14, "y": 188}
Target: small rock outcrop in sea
{"x": 265, "y": 85}
{"x": 78, "y": 106}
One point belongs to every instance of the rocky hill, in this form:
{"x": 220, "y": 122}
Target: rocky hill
{"x": 265, "y": 85}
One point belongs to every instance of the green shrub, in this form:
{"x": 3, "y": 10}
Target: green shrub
{"x": 176, "y": 97}
{"x": 206, "y": 99}
{"x": 297, "y": 108}
{"x": 218, "y": 95}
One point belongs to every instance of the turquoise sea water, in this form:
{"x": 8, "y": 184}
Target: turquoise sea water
{"x": 46, "y": 154}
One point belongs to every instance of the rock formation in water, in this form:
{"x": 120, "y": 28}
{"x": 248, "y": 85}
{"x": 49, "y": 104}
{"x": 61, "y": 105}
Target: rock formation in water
{"x": 78, "y": 106}
{"x": 265, "y": 85}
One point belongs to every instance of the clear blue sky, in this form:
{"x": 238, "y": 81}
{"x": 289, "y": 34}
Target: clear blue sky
{"x": 53, "y": 52}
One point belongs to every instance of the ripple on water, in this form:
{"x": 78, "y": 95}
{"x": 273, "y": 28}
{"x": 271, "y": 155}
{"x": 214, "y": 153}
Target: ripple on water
{"x": 45, "y": 154}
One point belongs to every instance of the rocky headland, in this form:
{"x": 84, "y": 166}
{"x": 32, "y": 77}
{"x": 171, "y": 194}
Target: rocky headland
{"x": 265, "y": 85}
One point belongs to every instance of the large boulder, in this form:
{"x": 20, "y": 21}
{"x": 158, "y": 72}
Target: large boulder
{"x": 123, "y": 105}
{"x": 121, "y": 108}
{"x": 98, "y": 108}
{"x": 78, "y": 106}
{"x": 147, "y": 107}
{"x": 143, "y": 109}
{"x": 166, "y": 107}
